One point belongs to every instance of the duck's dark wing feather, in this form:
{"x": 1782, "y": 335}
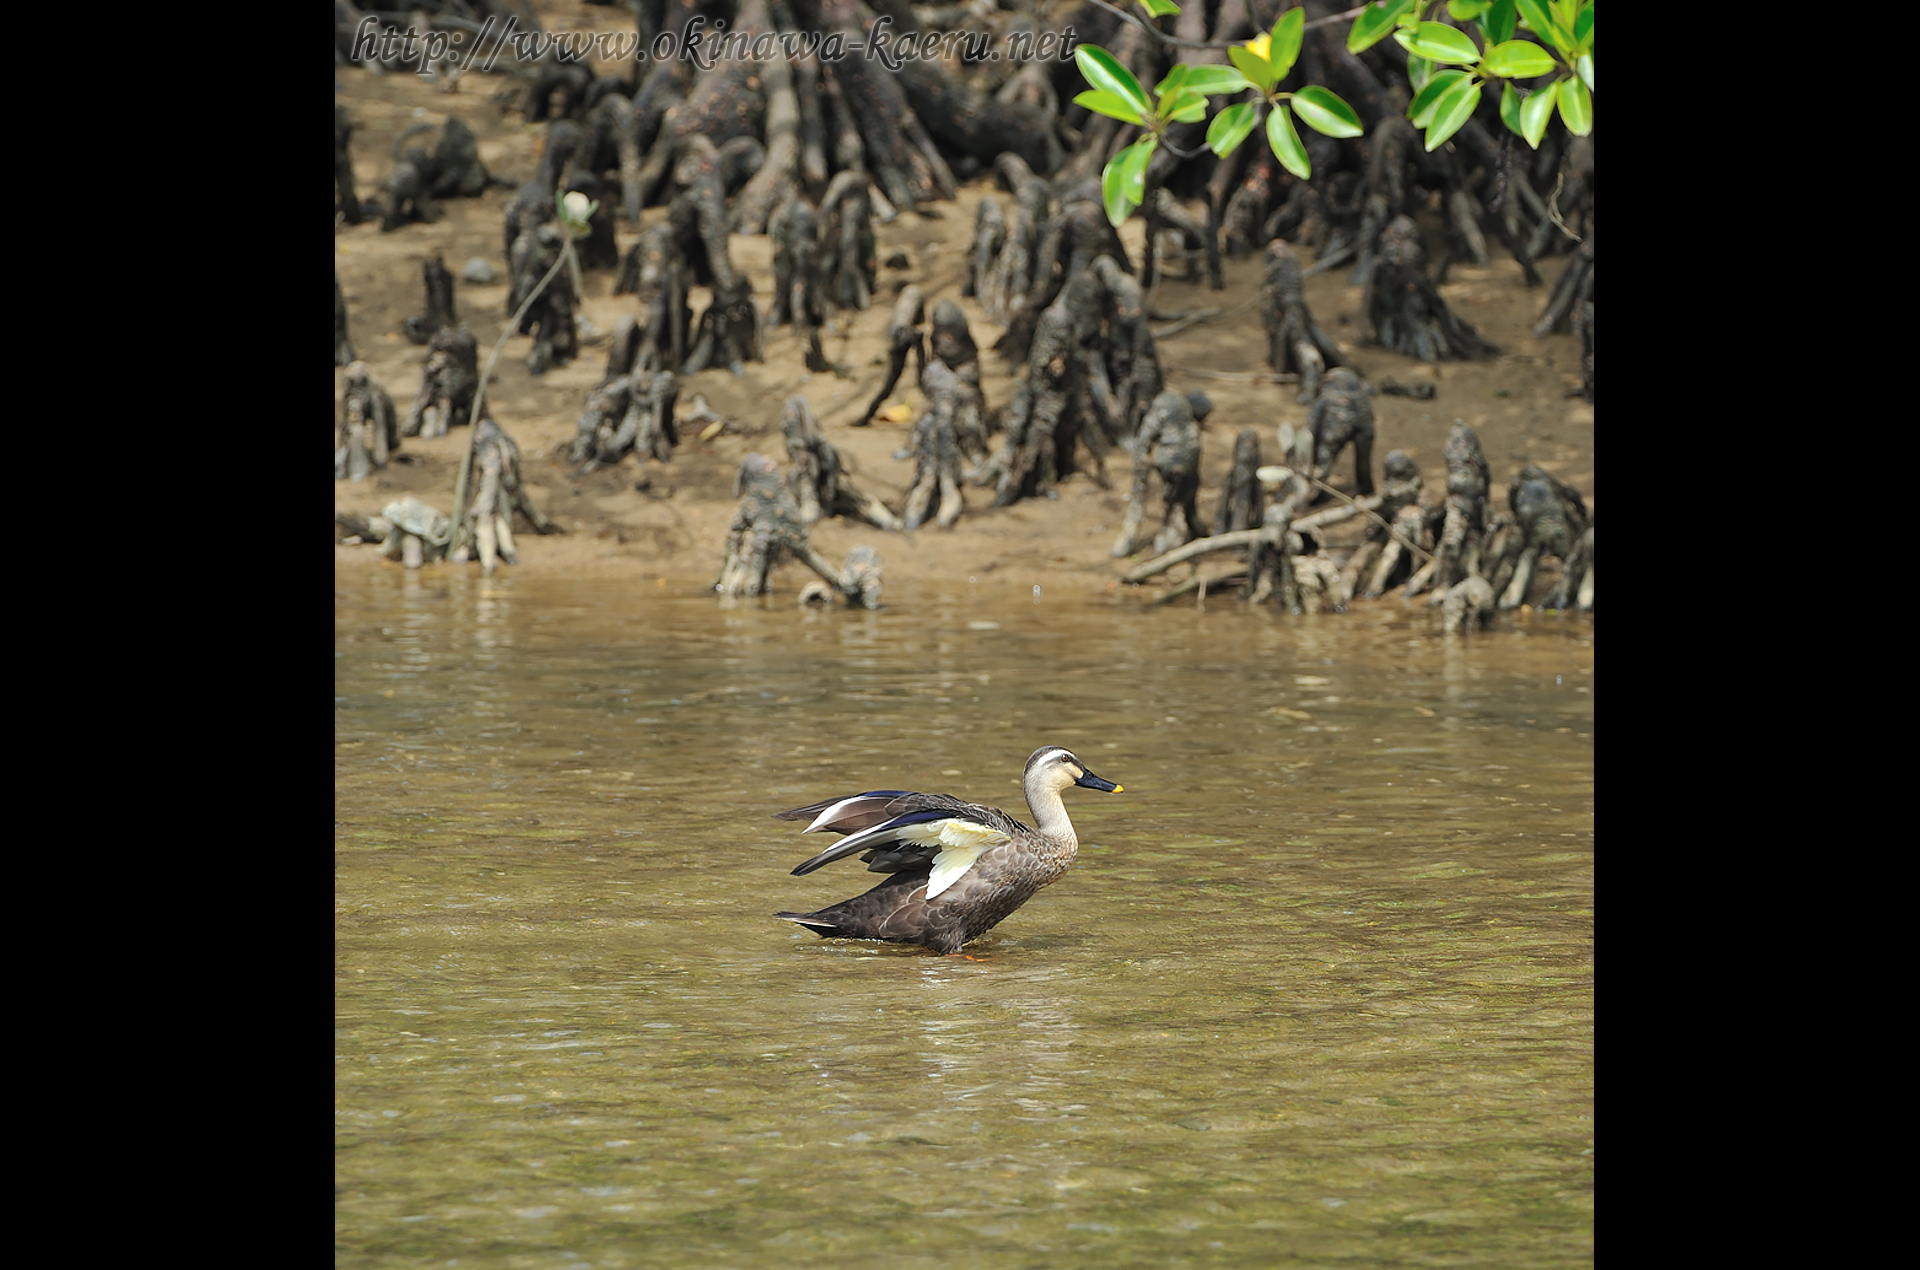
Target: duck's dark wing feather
{"x": 851, "y": 813}
{"x": 891, "y": 827}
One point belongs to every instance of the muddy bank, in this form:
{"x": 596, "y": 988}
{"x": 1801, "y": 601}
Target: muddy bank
{"x": 653, "y": 522}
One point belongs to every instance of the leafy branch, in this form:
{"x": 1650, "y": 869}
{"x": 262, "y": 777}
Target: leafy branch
{"x": 1259, "y": 65}
{"x": 1443, "y": 101}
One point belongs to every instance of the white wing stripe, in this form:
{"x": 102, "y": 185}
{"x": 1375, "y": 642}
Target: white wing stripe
{"x": 963, "y": 842}
{"x": 950, "y": 866}
{"x": 885, "y": 831}
{"x": 831, "y": 812}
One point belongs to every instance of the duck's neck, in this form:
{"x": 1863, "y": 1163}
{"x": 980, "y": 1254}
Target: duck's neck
{"x": 1050, "y": 814}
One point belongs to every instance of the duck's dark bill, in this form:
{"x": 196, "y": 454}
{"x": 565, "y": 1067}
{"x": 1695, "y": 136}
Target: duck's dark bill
{"x": 1091, "y": 781}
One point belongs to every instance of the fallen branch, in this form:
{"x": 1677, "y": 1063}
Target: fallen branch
{"x": 1198, "y": 547}
{"x": 1358, "y": 504}
{"x": 1247, "y": 537}
{"x": 1334, "y": 515}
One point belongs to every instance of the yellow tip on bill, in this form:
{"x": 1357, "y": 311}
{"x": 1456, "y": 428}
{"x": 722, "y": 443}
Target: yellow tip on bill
{"x": 1119, "y": 789}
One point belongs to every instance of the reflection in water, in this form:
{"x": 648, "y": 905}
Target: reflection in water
{"x": 1318, "y": 988}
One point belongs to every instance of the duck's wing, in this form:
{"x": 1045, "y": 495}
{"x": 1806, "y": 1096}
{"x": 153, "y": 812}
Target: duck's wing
{"x": 923, "y": 830}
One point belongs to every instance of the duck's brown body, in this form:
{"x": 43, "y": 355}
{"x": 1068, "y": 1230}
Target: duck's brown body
{"x": 898, "y": 909}
{"x": 980, "y": 863}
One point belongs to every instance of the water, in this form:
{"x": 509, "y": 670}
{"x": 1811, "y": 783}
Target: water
{"x": 1318, "y": 990}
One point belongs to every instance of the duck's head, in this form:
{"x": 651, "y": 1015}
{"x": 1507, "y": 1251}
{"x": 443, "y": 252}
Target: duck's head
{"x": 1053, "y": 767}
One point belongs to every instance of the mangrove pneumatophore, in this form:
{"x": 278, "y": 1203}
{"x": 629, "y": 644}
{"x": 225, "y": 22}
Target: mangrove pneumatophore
{"x": 766, "y": 531}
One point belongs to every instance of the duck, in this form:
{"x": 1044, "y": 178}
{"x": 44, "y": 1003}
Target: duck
{"x": 955, "y": 869}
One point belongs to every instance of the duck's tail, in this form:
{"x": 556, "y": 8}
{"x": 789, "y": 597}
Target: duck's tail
{"x": 894, "y": 910}
{"x": 825, "y": 927}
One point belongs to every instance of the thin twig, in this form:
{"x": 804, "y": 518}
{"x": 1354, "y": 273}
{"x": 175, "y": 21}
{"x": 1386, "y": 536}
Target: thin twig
{"x": 1333, "y": 515}
{"x": 1199, "y": 582}
{"x": 1192, "y": 319}
{"x": 1235, "y": 376}
{"x": 1204, "y": 315}
{"x": 1194, "y": 153}
{"x": 857, "y": 395}
{"x": 464, "y": 479}
{"x": 1331, "y": 260}
{"x": 1176, "y": 42}
{"x": 1156, "y": 32}
{"x": 1553, "y": 205}
{"x": 1332, "y": 18}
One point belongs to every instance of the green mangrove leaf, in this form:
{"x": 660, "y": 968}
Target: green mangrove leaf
{"x": 1517, "y": 59}
{"x": 1324, "y": 112}
{"x": 1535, "y": 111}
{"x": 1497, "y": 25}
{"x": 1257, "y": 69}
{"x": 1186, "y": 106}
{"x": 1231, "y": 126}
{"x": 1102, "y": 102}
{"x": 1540, "y": 21}
{"x": 1442, "y": 43}
{"x": 1104, "y": 71}
{"x": 1286, "y": 143}
{"x": 1134, "y": 170}
{"x": 1214, "y": 79}
{"x": 1451, "y": 112}
{"x": 1284, "y": 48}
{"x": 1420, "y": 109}
{"x": 1374, "y": 23}
{"x": 1576, "y": 107}
{"x": 1113, "y": 193}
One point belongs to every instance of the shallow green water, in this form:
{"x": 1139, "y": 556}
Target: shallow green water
{"x": 1317, "y": 991}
